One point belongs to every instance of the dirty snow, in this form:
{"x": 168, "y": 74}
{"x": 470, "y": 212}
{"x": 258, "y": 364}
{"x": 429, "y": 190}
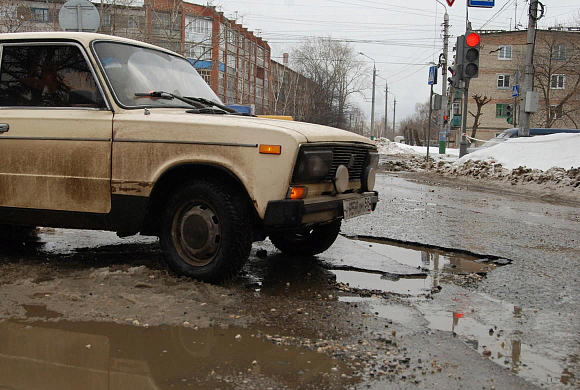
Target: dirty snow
{"x": 541, "y": 152}
{"x": 550, "y": 160}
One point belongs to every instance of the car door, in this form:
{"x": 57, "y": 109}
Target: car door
{"x": 55, "y": 129}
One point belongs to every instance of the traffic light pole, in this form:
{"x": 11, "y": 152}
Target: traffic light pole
{"x": 463, "y": 144}
{"x": 428, "y": 137}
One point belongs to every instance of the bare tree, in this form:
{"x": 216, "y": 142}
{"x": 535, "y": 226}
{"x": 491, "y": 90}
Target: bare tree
{"x": 557, "y": 77}
{"x": 480, "y": 101}
{"x": 13, "y": 17}
{"x": 416, "y": 124}
{"x": 335, "y": 74}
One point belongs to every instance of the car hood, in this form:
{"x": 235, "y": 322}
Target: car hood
{"x": 313, "y": 132}
{"x": 175, "y": 123}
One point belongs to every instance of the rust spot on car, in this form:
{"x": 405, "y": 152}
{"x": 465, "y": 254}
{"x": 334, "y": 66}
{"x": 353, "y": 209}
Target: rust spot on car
{"x": 131, "y": 187}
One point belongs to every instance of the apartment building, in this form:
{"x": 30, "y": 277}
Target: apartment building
{"x": 557, "y": 79}
{"x": 233, "y": 60}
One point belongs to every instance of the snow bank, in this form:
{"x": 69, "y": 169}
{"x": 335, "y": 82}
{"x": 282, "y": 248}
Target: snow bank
{"x": 541, "y": 152}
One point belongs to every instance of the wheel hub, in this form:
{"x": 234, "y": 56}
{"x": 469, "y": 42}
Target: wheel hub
{"x": 200, "y": 234}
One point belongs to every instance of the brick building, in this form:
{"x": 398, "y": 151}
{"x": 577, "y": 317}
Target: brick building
{"x": 557, "y": 79}
{"x": 234, "y": 61}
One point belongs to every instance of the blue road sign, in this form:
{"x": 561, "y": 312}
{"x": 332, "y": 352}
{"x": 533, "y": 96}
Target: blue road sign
{"x": 481, "y": 3}
{"x": 515, "y": 91}
{"x": 432, "y": 75}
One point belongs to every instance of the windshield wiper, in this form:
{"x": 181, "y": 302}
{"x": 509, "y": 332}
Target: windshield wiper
{"x": 170, "y": 96}
{"x": 211, "y": 103}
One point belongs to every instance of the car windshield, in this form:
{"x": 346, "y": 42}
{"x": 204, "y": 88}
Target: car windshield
{"x": 135, "y": 69}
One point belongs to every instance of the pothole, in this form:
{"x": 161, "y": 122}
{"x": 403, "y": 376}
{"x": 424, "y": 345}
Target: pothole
{"x": 380, "y": 267}
{"x": 109, "y": 355}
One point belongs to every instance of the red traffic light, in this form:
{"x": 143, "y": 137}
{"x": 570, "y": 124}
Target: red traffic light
{"x": 472, "y": 39}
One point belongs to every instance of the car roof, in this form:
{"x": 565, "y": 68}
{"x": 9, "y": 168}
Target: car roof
{"x": 83, "y": 37}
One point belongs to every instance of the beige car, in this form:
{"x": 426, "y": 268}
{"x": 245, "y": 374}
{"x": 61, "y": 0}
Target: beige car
{"x": 101, "y": 132}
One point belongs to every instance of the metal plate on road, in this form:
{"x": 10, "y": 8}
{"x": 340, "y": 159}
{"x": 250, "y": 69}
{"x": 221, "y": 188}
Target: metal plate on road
{"x": 355, "y": 207}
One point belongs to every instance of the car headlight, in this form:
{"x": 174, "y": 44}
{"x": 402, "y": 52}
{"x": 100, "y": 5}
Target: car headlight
{"x": 370, "y": 172}
{"x": 373, "y": 160}
{"x": 312, "y": 166}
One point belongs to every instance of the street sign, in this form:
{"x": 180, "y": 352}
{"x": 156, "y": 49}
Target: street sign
{"x": 79, "y": 15}
{"x": 450, "y": 2}
{"x": 481, "y": 3}
{"x": 432, "y": 75}
{"x": 515, "y": 91}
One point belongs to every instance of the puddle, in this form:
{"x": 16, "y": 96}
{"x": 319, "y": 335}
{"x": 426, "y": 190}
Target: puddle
{"x": 507, "y": 351}
{"x": 66, "y": 355}
{"x": 40, "y": 311}
{"x": 373, "y": 281}
{"x": 406, "y": 269}
{"x": 426, "y": 258}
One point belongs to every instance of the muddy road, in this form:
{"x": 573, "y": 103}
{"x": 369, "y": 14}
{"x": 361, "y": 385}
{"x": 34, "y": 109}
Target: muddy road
{"x": 449, "y": 284}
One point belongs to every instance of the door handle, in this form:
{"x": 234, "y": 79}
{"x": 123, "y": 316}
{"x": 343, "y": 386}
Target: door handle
{"x": 4, "y": 127}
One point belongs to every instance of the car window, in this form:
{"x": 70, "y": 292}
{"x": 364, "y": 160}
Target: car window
{"x": 133, "y": 69}
{"x": 47, "y": 76}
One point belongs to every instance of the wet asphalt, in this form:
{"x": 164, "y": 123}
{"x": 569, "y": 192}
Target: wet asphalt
{"x": 535, "y": 299}
{"x": 448, "y": 284}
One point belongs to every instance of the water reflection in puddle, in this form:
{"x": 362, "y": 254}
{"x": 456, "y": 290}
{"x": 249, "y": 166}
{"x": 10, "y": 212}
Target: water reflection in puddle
{"x": 435, "y": 266}
{"x": 66, "y": 355}
{"x": 503, "y": 348}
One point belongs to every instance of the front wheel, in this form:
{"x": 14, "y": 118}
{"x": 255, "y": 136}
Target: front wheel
{"x": 205, "y": 232}
{"x": 309, "y": 241}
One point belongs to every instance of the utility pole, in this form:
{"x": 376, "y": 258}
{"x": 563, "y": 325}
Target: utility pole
{"x": 444, "y": 98}
{"x": 524, "y": 129}
{"x": 394, "y": 112}
{"x": 386, "y": 106}
{"x": 373, "y": 98}
{"x": 373, "y": 103}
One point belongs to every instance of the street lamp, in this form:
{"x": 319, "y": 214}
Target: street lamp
{"x": 373, "y": 99}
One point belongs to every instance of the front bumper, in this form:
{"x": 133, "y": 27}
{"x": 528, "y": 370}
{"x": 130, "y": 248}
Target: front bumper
{"x": 293, "y": 213}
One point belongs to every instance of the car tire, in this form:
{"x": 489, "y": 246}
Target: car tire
{"x": 205, "y": 232}
{"x": 308, "y": 242}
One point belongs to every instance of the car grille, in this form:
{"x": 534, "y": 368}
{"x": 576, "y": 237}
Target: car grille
{"x": 351, "y": 156}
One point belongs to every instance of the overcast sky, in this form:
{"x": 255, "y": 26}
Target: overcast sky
{"x": 401, "y": 36}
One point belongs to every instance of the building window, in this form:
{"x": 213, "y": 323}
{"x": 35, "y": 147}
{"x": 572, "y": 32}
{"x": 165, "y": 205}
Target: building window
{"x": 456, "y": 109}
{"x": 107, "y": 20}
{"x": 559, "y": 52}
{"x": 504, "y": 52}
{"x": 133, "y": 21}
{"x": 556, "y": 111}
{"x": 39, "y": 14}
{"x": 503, "y": 81}
{"x": 557, "y": 81}
{"x": 501, "y": 110}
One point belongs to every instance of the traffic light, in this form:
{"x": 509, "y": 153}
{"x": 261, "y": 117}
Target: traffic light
{"x": 459, "y": 58}
{"x": 454, "y": 79}
{"x": 445, "y": 118}
{"x": 509, "y": 112}
{"x": 470, "y": 55}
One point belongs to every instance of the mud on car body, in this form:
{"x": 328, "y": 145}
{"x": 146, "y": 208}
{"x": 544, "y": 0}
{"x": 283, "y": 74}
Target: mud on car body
{"x": 101, "y": 132}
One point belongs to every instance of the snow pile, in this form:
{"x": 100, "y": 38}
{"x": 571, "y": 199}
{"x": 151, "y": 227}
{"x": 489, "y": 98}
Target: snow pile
{"x": 386, "y": 147}
{"x": 541, "y": 152}
{"x": 551, "y": 160}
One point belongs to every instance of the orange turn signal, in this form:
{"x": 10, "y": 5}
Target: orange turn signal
{"x": 298, "y": 192}
{"x": 270, "y": 149}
